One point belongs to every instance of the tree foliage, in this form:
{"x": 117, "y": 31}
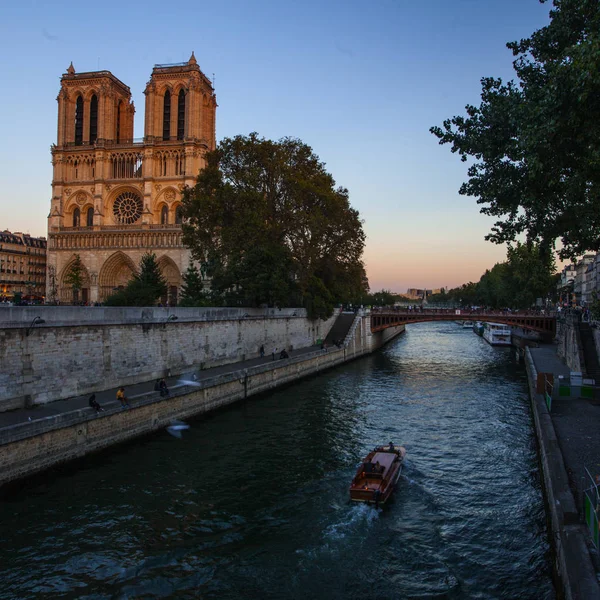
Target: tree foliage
{"x": 526, "y": 275}
{"x": 146, "y": 287}
{"x": 193, "y": 292}
{"x": 74, "y": 276}
{"x": 268, "y": 222}
{"x": 536, "y": 143}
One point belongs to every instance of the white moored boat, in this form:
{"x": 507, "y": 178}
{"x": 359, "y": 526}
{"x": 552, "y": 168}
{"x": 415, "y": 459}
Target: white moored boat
{"x": 497, "y": 334}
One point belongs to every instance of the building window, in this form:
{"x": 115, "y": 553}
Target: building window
{"x": 90, "y": 217}
{"x": 94, "y": 119}
{"x": 79, "y": 121}
{"x": 178, "y": 215}
{"x": 180, "y": 115}
{"x": 76, "y": 217}
{"x": 127, "y": 208}
{"x": 164, "y": 215}
{"x": 167, "y": 116}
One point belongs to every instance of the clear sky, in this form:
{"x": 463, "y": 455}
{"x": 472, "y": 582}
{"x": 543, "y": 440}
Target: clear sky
{"x": 360, "y": 82}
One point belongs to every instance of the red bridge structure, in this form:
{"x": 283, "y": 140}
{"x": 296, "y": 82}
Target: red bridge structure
{"x": 383, "y": 318}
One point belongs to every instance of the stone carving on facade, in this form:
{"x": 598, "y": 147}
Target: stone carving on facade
{"x": 93, "y": 277}
{"x": 170, "y": 195}
{"x": 68, "y": 191}
{"x": 181, "y": 187}
{"x": 158, "y": 187}
{"x": 108, "y": 186}
{"x": 92, "y": 189}
{"x": 80, "y": 198}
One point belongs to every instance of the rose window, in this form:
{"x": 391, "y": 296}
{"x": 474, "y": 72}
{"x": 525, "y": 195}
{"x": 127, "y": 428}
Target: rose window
{"x": 127, "y": 208}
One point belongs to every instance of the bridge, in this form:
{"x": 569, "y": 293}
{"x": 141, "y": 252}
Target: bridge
{"x": 381, "y": 319}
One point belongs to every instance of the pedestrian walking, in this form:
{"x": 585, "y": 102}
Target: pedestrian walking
{"x": 262, "y": 351}
{"x": 94, "y": 404}
{"x": 164, "y": 390}
{"x": 122, "y": 398}
{"x": 274, "y": 352}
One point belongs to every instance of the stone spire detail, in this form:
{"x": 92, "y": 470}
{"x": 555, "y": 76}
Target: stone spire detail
{"x": 71, "y": 69}
{"x": 192, "y": 60}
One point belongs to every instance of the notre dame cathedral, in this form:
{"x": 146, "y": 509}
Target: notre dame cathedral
{"x": 114, "y": 197}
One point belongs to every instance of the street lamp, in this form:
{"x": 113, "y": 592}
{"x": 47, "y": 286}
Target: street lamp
{"x": 36, "y": 321}
{"x": 169, "y": 319}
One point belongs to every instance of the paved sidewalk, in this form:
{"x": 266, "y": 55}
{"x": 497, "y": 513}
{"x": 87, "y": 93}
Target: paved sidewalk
{"x": 576, "y": 422}
{"x": 107, "y": 398}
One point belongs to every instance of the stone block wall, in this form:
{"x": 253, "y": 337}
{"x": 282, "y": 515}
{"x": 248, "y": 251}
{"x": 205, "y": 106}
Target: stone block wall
{"x": 569, "y": 343}
{"x": 80, "y": 350}
{"x": 27, "y": 448}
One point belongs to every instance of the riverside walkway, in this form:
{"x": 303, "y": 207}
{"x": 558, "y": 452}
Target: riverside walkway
{"x": 569, "y": 442}
{"x": 108, "y": 398}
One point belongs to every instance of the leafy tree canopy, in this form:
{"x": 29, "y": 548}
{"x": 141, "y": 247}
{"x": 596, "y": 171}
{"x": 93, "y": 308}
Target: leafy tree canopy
{"x": 536, "y": 143}
{"x": 526, "y": 275}
{"x": 271, "y": 227}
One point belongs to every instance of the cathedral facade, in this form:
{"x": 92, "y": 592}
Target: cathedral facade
{"x": 115, "y": 198}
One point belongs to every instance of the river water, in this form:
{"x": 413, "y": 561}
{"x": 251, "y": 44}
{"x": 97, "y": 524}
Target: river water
{"x": 253, "y": 501}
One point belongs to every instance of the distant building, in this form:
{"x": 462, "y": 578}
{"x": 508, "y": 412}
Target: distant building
{"x": 421, "y": 294}
{"x": 580, "y": 286}
{"x": 22, "y": 266}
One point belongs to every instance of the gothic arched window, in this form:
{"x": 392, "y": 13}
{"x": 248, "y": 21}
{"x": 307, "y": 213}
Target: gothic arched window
{"x": 79, "y": 121}
{"x": 76, "y": 217}
{"x": 164, "y": 215}
{"x": 180, "y": 115}
{"x": 89, "y": 220}
{"x": 167, "y": 116}
{"x": 178, "y": 215}
{"x": 93, "y": 119}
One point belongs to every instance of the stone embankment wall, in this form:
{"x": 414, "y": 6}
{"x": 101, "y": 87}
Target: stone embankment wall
{"x": 569, "y": 342}
{"x": 28, "y": 448}
{"x": 80, "y": 350}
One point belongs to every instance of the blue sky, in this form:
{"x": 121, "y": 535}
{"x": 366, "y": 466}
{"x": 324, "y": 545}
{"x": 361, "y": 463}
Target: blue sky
{"x": 360, "y": 82}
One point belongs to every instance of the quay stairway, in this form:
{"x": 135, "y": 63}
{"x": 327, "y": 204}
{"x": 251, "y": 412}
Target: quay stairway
{"x": 590, "y": 355}
{"x": 340, "y": 328}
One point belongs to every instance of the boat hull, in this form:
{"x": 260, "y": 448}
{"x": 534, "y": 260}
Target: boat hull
{"x": 376, "y": 487}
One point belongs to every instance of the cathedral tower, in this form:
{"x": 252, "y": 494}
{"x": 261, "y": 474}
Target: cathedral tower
{"x": 114, "y": 197}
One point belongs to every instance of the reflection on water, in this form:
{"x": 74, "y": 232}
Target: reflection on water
{"x": 252, "y": 502}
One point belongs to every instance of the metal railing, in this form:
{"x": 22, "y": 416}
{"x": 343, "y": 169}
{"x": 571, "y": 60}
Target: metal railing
{"x": 591, "y": 505}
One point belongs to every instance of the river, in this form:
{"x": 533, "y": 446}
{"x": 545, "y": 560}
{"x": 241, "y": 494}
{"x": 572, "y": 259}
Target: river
{"x": 253, "y": 503}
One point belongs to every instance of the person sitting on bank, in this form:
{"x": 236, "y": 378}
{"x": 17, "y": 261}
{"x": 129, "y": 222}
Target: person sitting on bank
{"x": 121, "y": 397}
{"x": 94, "y": 404}
{"x": 284, "y": 354}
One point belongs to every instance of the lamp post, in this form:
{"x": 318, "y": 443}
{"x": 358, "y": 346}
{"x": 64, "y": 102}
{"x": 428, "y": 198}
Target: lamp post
{"x": 36, "y": 321}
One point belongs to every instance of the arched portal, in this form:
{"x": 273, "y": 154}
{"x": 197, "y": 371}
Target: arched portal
{"x": 115, "y": 273}
{"x": 73, "y": 274}
{"x": 171, "y": 273}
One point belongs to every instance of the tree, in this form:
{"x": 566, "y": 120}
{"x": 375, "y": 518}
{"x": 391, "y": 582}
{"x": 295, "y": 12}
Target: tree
{"x": 537, "y": 143}
{"x": 383, "y": 298}
{"x": 192, "y": 289}
{"x": 271, "y": 227}
{"x": 74, "y": 277}
{"x": 144, "y": 289}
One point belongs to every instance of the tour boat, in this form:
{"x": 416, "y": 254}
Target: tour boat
{"x": 377, "y": 475}
{"x": 497, "y": 334}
